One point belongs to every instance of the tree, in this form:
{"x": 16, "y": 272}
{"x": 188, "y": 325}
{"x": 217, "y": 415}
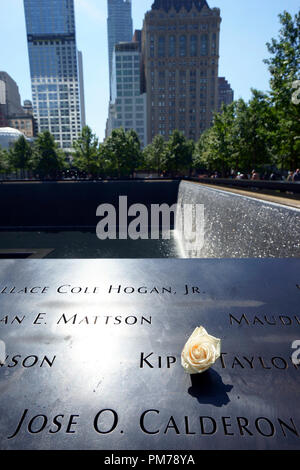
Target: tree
{"x": 215, "y": 150}
{"x": 284, "y": 67}
{"x": 241, "y": 138}
{"x": 266, "y": 130}
{"x": 135, "y": 159}
{"x": 4, "y": 162}
{"x": 20, "y": 155}
{"x": 154, "y": 154}
{"x": 47, "y": 158}
{"x": 252, "y": 128}
{"x": 86, "y": 152}
{"x": 179, "y": 153}
{"x": 121, "y": 152}
{"x": 222, "y": 140}
{"x": 200, "y": 155}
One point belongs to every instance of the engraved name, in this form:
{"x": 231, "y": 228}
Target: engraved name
{"x": 153, "y": 422}
{"x": 264, "y": 320}
{"x": 151, "y": 360}
{"x": 28, "y": 361}
{"x": 77, "y": 319}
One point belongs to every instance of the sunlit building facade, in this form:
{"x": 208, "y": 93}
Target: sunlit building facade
{"x": 180, "y": 47}
{"x": 119, "y": 26}
{"x": 12, "y": 113}
{"x": 55, "y": 68}
{"x": 128, "y": 104}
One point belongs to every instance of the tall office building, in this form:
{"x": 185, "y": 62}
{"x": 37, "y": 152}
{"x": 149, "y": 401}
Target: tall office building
{"x": 10, "y": 100}
{"x": 226, "y": 93}
{"x": 3, "y": 116}
{"x": 54, "y": 68}
{"x": 128, "y": 105}
{"x": 180, "y": 47}
{"x": 12, "y": 113}
{"x": 81, "y": 89}
{"x": 119, "y": 26}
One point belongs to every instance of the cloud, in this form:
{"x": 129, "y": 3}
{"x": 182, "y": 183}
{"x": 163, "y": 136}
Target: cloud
{"x": 91, "y": 9}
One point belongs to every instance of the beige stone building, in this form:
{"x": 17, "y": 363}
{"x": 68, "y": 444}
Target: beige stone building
{"x": 25, "y": 124}
{"x": 12, "y": 113}
{"x": 180, "y": 50}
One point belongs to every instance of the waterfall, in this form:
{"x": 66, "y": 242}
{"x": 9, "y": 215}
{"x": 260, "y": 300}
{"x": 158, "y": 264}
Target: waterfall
{"x": 234, "y": 226}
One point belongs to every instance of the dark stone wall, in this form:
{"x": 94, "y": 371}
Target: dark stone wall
{"x": 74, "y": 204}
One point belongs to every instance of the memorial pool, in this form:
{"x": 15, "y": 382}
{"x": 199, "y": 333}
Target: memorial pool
{"x": 82, "y": 245}
{"x": 59, "y": 221}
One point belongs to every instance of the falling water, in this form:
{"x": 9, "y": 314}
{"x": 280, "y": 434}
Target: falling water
{"x": 238, "y": 226}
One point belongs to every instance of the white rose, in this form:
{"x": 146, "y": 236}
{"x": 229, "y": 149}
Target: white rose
{"x": 200, "y": 352}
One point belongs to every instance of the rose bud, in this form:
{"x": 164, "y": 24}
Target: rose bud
{"x": 200, "y": 352}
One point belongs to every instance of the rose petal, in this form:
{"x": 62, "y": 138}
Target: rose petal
{"x": 200, "y": 351}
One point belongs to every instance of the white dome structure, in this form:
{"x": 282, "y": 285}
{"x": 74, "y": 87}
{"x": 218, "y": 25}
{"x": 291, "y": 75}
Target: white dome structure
{"x": 8, "y": 136}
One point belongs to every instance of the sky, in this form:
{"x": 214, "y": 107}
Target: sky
{"x": 247, "y": 25}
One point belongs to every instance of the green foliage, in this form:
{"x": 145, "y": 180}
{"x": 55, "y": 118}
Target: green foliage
{"x": 216, "y": 148}
{"x": 178, "y": 153}
{"x": 266, "y": 130}
{"x": 47, "y": 159}
{"x": 284, "y": 67}
{"x": 4, "y": 161}
{"x": 121, "y": 153}
{"x": 251, "y": 128}
{"x": 20, "y": 155}
{"x": 240, "y": 138}
{"x": 154, "y": 154}
{"x": 135, "y": 157}
{"x": 284, "y": 63}
{"x": 87, "y": 153}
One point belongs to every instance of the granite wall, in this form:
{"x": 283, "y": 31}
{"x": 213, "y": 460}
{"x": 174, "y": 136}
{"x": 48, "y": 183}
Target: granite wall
{"x": 72, "y": 205}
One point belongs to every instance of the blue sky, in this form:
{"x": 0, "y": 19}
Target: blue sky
{"x": 246, "y": 27}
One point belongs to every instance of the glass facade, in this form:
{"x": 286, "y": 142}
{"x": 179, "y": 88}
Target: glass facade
{"x": 119, "y": 25}
{"x": 128, "y": 105}
{"x": 53, "y": 58}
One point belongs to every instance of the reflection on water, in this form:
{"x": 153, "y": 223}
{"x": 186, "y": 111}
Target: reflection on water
{"x": 85, "y": 245}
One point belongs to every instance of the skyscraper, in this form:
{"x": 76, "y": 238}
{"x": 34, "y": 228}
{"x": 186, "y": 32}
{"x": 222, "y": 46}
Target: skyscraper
{"x": 128, "y": 104}
{"x": 54, "y": 68}
{"x": 81, "y": 89}
{"x": 10, "y": 99}
{"x": 119, "y": 26}
{"x": 180, "y": 47}
{"x": 226, "y": 93}
{"x": 12, "y": 113}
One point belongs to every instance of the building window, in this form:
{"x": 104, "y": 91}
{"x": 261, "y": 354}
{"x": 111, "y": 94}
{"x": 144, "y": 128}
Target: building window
{"x": 193, "y": 45}
{"x": 151, "y": 46}
{"x": 172, "y": 46}
{"x": 214, "y": 44}
{"x": 182, "y": 46}
{"x": 204, "y": 44}
{"x": 161, "y": 46}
